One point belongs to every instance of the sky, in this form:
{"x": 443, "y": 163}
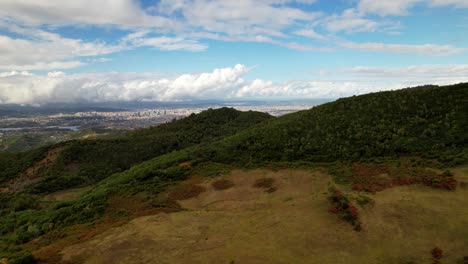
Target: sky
{"x": 178, "y": 50}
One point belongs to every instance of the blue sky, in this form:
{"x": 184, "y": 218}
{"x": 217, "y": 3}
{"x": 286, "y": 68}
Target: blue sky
{"x": 172, "y": 50}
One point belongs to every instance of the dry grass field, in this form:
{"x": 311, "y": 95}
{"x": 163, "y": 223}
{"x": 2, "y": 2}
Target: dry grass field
{"x": 247, "y": 224}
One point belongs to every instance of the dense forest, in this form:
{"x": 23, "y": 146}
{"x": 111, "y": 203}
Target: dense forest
{"x": 427, "y": 122}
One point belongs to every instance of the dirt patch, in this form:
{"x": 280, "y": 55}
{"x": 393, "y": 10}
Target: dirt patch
{"x": 264, "y": 183}
{"x": 464, "y": 185}
{"x": 185, "y": 191}
{"x": 222, "y": 184}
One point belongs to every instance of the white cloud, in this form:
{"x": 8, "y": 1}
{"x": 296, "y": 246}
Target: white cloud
{"x": 44, "y": 66}
{"x": 310, "y": 33}
{"x": 402, "y": 7}
{"x": 223, "y": 83}
{"x": 384, "y": 8}
{"x": 26, "y": 88}
{"x": 353, "y": 20}
{"x": 456, "y": 3}
{"x": 43, "y": 50}
{"x": 237, "y": 18}
{"x": 140, "y": 38}
{"x": 421, "y": 72}
{"x": 424, "y": 49}
{"x": 350, "y": 21}
{"x": 123, "y": 13}
{"x": 233, "y": 18}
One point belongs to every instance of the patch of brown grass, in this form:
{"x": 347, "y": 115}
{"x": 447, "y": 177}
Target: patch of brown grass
{"x": 186, "y": 191}
{"x": 222, "y": 184}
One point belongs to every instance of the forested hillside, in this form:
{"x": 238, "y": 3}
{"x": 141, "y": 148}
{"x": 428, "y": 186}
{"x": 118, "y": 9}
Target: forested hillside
{"x": 88, "y": 161}
{"x": 426, "y": 121}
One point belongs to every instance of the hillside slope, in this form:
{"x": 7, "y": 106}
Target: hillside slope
{"x": 89, "y": 161}
{"x": 427, "y": 123}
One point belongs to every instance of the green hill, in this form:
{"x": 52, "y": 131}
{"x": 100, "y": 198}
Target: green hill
{"x": 88, "y": 161}
{"x": 426, "y": 121}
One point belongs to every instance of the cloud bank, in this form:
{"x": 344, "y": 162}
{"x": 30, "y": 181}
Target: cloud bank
{"x": 222, "y": 83}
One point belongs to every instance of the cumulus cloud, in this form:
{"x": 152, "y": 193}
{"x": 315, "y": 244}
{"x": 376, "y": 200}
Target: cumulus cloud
{"x": 223, "y": 83}
{"x": 26, "y": 88}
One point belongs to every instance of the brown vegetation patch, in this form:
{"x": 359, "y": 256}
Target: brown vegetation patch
{"x": 222, "y": 184}
{"x": 264, "y": 183}
{"x": 120, "y": 211}
{"x": 377, "y": 177}
{"x": 32, "y": 174}
{"x": 186, "y": 191}
{"x": 369, "y": 170}
{"x": 342, "y": 206}
{"x": 73, "y": 167}
{"x": 186, "y": 164}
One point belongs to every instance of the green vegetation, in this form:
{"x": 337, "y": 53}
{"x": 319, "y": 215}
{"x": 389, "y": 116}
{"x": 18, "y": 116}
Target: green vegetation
{"x": 408, "y": 129}
{"x": 84, "y": 162}
{"x": 426, "y": 121}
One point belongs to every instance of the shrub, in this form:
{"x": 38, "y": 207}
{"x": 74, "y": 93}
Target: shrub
{"x": 344, "y": 208}
{"x": 436, "y": 253}
{"x": 25, "y": 258}
{"x": 222, "y": 184}
{"x": 264, "y": 183}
